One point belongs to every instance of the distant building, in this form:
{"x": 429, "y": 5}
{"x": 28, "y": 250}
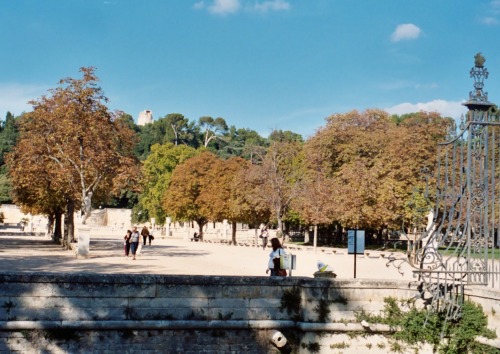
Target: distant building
{"x": 145, "y": 117}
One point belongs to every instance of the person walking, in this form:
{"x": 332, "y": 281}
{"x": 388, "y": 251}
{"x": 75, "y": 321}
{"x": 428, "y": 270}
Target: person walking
{"x": 264, "y": 234}
{"x": 145, "y": 235}
{"x": 134, "y": 242}
{"x": 126, "y": 242}
{"x": 273, "y": 265}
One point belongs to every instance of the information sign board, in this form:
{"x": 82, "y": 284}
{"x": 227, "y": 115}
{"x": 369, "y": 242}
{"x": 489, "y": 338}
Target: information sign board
{"x": 356, "y": 239}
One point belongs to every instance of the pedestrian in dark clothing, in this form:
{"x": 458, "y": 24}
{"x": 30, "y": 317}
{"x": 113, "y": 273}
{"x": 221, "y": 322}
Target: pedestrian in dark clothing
{"x": 134, "y": 242}
{"x": 145, "y": 235}
{"x": 126, "y": 242}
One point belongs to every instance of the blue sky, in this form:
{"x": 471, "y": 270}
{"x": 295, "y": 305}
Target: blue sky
{"x": 260, "y": 64}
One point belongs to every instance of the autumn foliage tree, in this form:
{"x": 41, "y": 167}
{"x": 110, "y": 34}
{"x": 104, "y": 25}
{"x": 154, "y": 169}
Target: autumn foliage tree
{"x": 373, "y": 162}
{"x": 85, "y": 149}
{"x": 229, "y": 196}
{"x": 36, "y": 190}
{"x": 186, "y": 198}
{"x": 278, "y": 177}
{"x": 206, "y": 188}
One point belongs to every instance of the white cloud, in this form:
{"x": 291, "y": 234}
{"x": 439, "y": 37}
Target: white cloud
{"x": 402, "y": 84}
{"x": 224, "y": 7}
{"x": 14, "y": 97}
{"x": 495, "y": 4}
{"x": 445, "y": 108}
{"x": 228, "y": 7}
{"x": 199, "y": 5}
{"x": 489, "y": 21}
{"x": 272, "y": 5}
{"x": 405, "y": 31}
{"x": 432, "y": 85}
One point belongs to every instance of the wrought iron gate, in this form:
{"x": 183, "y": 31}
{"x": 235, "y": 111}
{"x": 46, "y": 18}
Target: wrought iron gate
{"x": 457, "y": 248}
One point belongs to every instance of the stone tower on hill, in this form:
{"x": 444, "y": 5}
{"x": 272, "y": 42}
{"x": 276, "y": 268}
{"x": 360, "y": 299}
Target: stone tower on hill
{"x": 145, "y": 117}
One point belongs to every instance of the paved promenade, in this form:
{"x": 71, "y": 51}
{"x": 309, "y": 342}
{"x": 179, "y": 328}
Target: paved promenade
{"x": 23, "y": 253}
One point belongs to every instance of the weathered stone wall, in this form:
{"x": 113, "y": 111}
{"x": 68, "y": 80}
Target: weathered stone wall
{"x": 190, "y": 314}
{"x": 489, "y": 299}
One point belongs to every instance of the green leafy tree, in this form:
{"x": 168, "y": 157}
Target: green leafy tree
{"x": 183, "y": 130}
{"x": 5, "y": 189}
{"x": 285, "y": 136}
{"x": 245, "y": 143}
{"x": 172, "y": 128}
{"x": 157, "y": 173}
{"x": 8, "y": 136}
{"x": 212, "y": 129}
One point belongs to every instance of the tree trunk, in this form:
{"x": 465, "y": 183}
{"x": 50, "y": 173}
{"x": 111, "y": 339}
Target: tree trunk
{"x": 86, "y": 206}
{"x": 50, "y": 225}
{"x": 69, "y": 224}
{"x": 279, "y": 217}
{"x": 200, "y": 227}
{"x": 315, "y": 239}
{"x": 57, "y": 226}
{"x": 233, "y": 232}
{"x": 306, "y": 236}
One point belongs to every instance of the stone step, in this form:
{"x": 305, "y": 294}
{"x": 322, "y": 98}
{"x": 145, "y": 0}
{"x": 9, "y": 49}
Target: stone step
{"x": 20, "y": 233}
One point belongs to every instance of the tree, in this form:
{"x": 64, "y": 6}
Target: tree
{"x": 285, "y": 136}
{"x": 5, "y": 189}
{"x": 172, "y": 128}
{"x": 184, "y": 198}
{"x": 314, "y": 202}
{"x": 157, "y": 173}
{"x": 8, "y": 136}
{"x": 35, "y": 189}
{"x": 279, "y": 177}
{"x": 245, "y": 143}
{"x": 90, "y": 149}
{"x": 213, "y": 128}
{"x": 229, "y": 195}
{"x": 184, "y": 131}
{"x": 374, "y": 163}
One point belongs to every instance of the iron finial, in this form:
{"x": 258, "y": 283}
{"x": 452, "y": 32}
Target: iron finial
{"x": 478, "y": 99}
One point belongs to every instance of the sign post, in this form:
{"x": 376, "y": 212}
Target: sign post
{"x": 355, "y": 244}
{"x": 288, "y": 261}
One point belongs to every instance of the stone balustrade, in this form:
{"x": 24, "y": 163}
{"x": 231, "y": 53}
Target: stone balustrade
{"x": 195, "y": 313}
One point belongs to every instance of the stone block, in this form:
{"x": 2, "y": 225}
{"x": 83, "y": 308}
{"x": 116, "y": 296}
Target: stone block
{"x": 225, "y": 313}
{"x": 250, "y": 292}
{"x": 228, "y": 303}
{"x": 268, "y": 313}
{"x": 315, "y": 292}
{"x": 20, "y": 289}
{"x": 79, "y": 302}
{"x": 169, "y": 302}
{"x": 374, "y": 294}
{"x": 264, "y": 303}
{"x": 188, "y": 291}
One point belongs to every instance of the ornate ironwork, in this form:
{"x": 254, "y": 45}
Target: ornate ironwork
{"x": 456, "y": 248}
{"x": 479, "y": 73}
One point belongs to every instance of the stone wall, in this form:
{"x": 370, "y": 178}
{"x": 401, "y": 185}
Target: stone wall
{"x": 190, "y": 314}
{"x": 108, "y": 220}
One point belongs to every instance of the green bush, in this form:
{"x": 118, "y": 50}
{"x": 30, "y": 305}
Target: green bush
{"x": 447, "y": 336}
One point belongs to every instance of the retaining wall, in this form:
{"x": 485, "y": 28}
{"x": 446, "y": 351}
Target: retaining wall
{"x": 188, "y": 314}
